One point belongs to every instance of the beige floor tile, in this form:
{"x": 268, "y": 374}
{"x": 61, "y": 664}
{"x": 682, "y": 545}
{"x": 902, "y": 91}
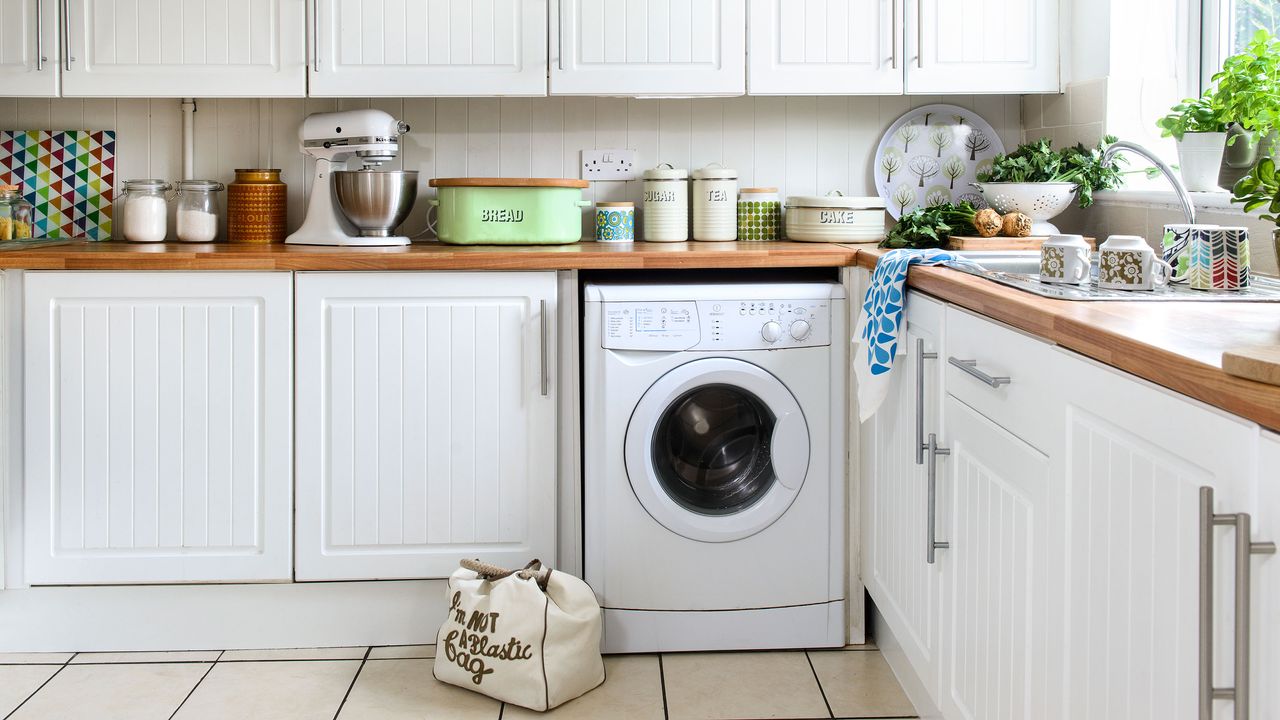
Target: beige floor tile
{"x": 868, "y": 645}
{"x": 17, "y": 682}
{"x": 286, "y": 690}
{"x": 34, "y": 658}
{"x": 394, "y": 652}
{"x": 405, "y": 689}
{"x": 107, "y": 692}
{"x": 632, "y": 689}
{"x": 716, "y": 686}
{"x": 860, "y": 684}
{"x": 332, "y": 653}
{"x": 146, "y": 657}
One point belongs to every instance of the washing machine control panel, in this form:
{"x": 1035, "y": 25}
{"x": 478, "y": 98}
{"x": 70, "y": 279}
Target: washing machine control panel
{"x": 716, "y": 325}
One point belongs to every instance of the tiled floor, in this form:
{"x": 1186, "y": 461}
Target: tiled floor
{"x": 390, "y": 683}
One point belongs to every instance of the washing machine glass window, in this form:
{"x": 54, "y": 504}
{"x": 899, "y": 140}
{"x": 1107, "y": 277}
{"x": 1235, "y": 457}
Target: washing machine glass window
{"x": 711, "y": 449}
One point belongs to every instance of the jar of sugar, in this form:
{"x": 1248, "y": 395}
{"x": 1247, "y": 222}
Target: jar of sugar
{"x": 146, "y": 210}
{"x": 198, "y": 210}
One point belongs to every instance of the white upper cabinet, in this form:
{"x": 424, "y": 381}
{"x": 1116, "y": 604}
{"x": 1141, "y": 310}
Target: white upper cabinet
{"x": 648, "y": 47}
{"x": 157, "y": 427}
{"x": 166, "y": 48}
{"x": 429, "y": 48}
{"x": 825, "y": 47}
{"x": 426, "y": 422}
{"x": 982, "y": 46}
{"x": 29, "y": 49}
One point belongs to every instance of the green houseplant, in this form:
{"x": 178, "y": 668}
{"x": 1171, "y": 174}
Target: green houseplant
{"x": 1248, "y": 88}
{"x": 1260, "y": 188}
{"x": 1199, "y": 125}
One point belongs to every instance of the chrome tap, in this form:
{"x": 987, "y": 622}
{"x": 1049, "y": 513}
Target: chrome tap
{"x": 1184, "y": 198}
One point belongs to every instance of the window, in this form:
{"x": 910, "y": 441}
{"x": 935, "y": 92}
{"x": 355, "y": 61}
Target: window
{"x": 1227, "y": 26}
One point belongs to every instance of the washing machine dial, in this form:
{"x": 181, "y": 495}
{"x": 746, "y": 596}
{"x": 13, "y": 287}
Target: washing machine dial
{"x": 772, "y": 331}
{"x": 800, "y": 329}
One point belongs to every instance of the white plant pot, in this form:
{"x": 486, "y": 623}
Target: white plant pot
{"x": 1200, "y": 158}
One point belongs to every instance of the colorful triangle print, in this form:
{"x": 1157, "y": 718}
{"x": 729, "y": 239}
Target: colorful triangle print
{"x": 66, "y": 175}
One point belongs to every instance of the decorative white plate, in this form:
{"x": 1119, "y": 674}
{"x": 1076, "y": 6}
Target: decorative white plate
{"x": 931, "y": 154}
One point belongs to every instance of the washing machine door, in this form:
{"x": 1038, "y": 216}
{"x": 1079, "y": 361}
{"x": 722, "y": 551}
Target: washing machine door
{"x": 717, "y": 449}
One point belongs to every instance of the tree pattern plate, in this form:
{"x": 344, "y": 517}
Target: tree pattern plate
{"x": 930, "y": 155}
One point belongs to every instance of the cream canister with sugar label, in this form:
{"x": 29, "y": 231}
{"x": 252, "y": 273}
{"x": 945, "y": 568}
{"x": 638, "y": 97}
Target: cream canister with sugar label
{"x": 715, "y": 203}
{"x": 666, "y": 204}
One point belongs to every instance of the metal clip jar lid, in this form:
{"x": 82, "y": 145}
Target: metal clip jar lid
{"x": 147, "y": 185}
{"x": 200, "y": 186}
{"x": 666, "y": 171}
{"x": 715, "y": 171}
{"x": 836, "y": 199}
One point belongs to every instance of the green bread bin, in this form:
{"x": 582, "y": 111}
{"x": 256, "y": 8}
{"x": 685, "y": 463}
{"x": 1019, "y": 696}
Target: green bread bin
{"x": 508, "y": 211}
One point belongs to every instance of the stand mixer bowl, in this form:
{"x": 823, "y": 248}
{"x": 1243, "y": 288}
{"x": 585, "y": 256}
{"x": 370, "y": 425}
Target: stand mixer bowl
{"x": 375, "y": 201}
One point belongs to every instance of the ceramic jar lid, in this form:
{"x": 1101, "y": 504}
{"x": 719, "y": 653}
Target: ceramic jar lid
{"x": 835, "y": 199}
{"x": 715, "y": 171}
{"x": 615, "y": 204}
{"x": 758, "y": 190}
{"x": 666, "y": 172}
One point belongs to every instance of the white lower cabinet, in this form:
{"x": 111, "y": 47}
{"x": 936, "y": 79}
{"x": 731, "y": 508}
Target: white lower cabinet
{"x": 157, "y": 427}
{"x": 426, "y": 422}
{"x": 1265, "y": 617}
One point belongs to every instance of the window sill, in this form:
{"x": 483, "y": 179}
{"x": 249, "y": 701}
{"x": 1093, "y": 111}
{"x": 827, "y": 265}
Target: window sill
{"x": 1219, "y": 202}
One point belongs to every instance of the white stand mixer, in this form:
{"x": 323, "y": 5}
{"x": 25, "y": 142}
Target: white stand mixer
{"x": 378, "y": 204}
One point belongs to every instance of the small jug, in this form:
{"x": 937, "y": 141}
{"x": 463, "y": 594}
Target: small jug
{"x": 1127, "y": 262}
{"x": 1064, "y": 259}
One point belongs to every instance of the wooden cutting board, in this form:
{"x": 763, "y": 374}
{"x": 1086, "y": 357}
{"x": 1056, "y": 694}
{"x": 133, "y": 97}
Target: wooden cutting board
{"x": 966, "y": 242}
{"x": 1261, "y": 363}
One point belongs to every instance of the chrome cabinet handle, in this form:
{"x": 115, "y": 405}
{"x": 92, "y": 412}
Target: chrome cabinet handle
{"x": 931, "y": 539}
{"x": 561, "y": 35}
{"x": 1245, "y": 549}
{"x": 39, "y": 36}
{"x": 544, "y": 372}
{"x": 971, "y": 368}
{"x": 315, "y": 36}
{"x": 921, "y": 356}
{"x": 893, "y": 44}
{"x": 66, "y": 32}
{"x": 920, "y": 34}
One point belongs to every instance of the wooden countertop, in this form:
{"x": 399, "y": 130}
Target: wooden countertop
{"x": 1178, "y": 345}
{"x": 427, "y": 256}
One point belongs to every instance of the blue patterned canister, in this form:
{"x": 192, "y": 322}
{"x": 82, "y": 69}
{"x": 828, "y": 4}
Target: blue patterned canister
{"x": 615, "y": 222}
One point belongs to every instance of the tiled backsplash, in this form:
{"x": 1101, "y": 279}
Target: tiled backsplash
{"x": 802, "y": 145}
{"x": 1076, "y": 115}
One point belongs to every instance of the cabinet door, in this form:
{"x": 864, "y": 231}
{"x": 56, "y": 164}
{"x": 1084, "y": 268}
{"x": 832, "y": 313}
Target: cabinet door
{"x": 998, "y": 573}
{"x": 29, "y": 48}
{"x": 444, "y": 47}
{"x": 214, "y": 48}
{"x": 1134, "y": 460}
{"x": 158, "y": 427}
{"x": 648, "y": 47}
{"x": 903, "y": 584}
{"x": 982, "y": 46}
{"x": 1265, "y": 619}
{"x": 825, "y": 47}
{"x": 427, "y": 422}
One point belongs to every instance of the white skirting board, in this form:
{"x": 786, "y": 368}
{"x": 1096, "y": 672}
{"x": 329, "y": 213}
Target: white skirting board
{"x": 801, "y": 626}
{"x": 891, "y": 649}
{"x": 216, "y": 617}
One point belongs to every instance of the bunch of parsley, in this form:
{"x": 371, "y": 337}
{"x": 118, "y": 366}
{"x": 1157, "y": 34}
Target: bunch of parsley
{"x": 931, "y": 226}
{"x": 1038, "y": 162}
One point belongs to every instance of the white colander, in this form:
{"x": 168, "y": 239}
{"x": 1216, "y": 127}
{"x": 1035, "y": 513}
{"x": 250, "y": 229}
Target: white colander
{"x": 1040, "y": 201}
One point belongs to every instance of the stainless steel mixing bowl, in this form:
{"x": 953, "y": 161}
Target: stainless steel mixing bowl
{"x": 376, "y": 201}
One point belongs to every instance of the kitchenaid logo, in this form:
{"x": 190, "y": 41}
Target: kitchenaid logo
{"x": 836, "y": 217}
{"x": 502, "y": 216}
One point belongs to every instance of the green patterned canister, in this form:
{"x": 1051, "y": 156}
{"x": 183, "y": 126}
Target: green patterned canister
{"x": 759, "y": 214}
{"x": 615, "y": 222}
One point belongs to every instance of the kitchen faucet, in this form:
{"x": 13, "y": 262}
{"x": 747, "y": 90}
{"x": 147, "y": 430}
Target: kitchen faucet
{"x": 1184, "y": 198}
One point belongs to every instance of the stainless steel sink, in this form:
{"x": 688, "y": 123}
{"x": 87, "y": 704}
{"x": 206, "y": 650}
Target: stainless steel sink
{"x": 1020, "y": 269}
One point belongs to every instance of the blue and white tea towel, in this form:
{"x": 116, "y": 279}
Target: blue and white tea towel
{"x": 880, "y": 323}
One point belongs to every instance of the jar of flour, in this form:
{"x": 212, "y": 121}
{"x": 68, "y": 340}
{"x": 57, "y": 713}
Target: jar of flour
{"x": 197, "y": 217}
{"x": 146, "y": 210}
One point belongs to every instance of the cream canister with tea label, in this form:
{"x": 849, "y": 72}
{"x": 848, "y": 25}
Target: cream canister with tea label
{"x": 715, "y": 203}
{"x": 666, "y": 204}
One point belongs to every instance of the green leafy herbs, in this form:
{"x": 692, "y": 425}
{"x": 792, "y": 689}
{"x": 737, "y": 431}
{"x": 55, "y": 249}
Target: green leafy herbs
{"x": 929, "y": 227}
{"x": 1194, "y": 115}
{"x": 1038, "y": 162}
{"x": 1248, "y": 86}
{"x": 1260, "y": 188}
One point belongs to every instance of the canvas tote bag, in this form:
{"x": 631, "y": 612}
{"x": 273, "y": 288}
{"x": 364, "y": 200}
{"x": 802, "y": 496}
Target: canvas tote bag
{"x": 529, "y": 637}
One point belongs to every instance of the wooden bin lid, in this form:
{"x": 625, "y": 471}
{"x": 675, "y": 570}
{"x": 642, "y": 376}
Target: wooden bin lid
{"x": 508, "y": 182}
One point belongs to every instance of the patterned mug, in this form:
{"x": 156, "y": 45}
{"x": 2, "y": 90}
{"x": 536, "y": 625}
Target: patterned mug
{"x": 615, "y": 222}
{"x": 1064, "y": 259}
{"x": 1127, "y": 262}
{"x": 1176, "y": 244}
{"x": 1217, "y": 258}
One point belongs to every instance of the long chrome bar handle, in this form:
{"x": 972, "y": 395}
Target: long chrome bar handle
{"x": 893, "y": 37}
{"x": 544, "y": 371}
{"x": 1245, "y": 549}
{"x": 971, "y": 368}
{"x": 931, "y": 538}
{"x": 66, "y": 33}
{"x": 40, "y": 36}
{"x": 921, "y": 356}
{"x": 920, "y": 34}
{"x": 315, "y": 36}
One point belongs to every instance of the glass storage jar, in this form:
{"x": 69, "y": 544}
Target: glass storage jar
{"x": 146, "y": 210}
{"x": 15, "y": 214}
{"x": 197, "y": 217}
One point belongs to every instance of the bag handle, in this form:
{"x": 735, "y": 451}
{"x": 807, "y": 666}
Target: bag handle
{"x": 533, "y": 571}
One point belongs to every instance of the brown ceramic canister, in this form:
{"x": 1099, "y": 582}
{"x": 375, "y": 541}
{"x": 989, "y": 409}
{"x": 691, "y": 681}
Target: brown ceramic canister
{"x": 256, "y": 207}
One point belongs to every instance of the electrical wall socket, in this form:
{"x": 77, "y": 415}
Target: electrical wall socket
{"x": 610, "y": 164}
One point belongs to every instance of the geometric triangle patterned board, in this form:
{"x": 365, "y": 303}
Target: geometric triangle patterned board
{"x": 68, "y": 175}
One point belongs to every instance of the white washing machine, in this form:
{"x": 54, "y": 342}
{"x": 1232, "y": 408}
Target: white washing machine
{"x": 713, "y": 438}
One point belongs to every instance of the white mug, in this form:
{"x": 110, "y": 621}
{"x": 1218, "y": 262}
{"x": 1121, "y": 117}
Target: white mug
{"x": 1127, "y": 262}
{"x": 1064, "y": 259}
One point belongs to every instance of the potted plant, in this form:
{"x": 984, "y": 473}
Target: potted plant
{"x": 1248, "y": 91}
{"x": 1041, "y": 182}
{"x": 1199, "y": 125}
{"x": 1261, "y": 188}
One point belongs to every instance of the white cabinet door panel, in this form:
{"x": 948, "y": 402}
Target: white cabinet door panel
{"x": 29, "y": 50}
{"x": 825, "y": 47}
{"x": 648, "y": 47}
{"x": 205, "y": 48}
{"x": 158, "y": 427}
{"x": 982, "y": 46}
{"x": 1265, "y": 619}
{"x": 423, "y": 432}
{"x": 429, "y": 48}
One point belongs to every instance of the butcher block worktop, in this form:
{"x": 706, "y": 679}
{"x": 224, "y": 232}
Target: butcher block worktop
{"x": 1178, "y": 345}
